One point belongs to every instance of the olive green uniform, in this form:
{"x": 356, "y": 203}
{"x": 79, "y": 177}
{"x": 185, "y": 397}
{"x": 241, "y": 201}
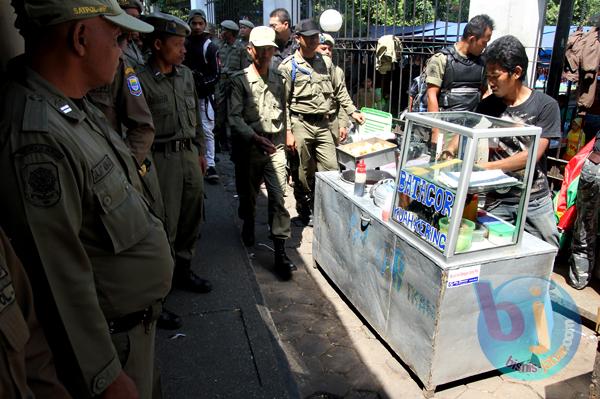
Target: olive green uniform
{"x": 311, "y": 88}
{"x": 340, "y": 117}
{"x": 26, "y": 365}
{"x": 178, "y": 143}
{"x": 133, "y": 54}
{"x": 98, "y": 259}
{"x": 231, "y": 57}
{"x": 258, "y": 106}
{"x": 124, "y": 105}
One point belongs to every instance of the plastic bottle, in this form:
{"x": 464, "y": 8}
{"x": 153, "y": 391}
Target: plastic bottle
{"x": 575, "y": 139}
{"x": 360, "y": 178}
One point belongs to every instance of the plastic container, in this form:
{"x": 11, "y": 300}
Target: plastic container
{"x": 465, "y": 233}
{"x": 500, "y": 233}
{"x": 360, "y": 178}
{"x": 479, "y": 233}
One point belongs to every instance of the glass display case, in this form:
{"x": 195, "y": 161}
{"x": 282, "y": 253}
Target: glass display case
{"x": 446, "y": 194}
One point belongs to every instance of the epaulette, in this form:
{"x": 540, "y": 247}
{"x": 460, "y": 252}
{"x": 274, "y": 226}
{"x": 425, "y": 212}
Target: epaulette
{"x": 287, "y": 59}
{"x": 238, "y": 73}
{"x": 35, "y": 115}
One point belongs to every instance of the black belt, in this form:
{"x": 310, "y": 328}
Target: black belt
{"x": 173, "y": 145}
{"x": 310, "y": 118}
{"x": 129, "y": 321}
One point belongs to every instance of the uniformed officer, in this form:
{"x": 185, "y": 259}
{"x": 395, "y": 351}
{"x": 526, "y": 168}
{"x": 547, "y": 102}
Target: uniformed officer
{"x": 179, "y": 147}
{"x": 26, "y": 364}
{"x": 98, "y": 259}
{"x": 125, "y": 107}
{"x": 231, "y": 54}
{"x": 311, "y": 87}
{"x": 246, "y": 27}
{"x": 340, "y": 122}
{"x": 132, "y": 51}
{"x": 257, "y": 119}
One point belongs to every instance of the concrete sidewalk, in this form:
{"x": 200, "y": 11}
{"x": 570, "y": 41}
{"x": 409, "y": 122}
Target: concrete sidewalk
{"x": 229, "y": 348}
{"x": 319, "y": 340}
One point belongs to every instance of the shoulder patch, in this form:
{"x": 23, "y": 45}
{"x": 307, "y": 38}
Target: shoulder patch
{"x": 134, "y": 86}
{"x": 40, "y": 148}
{"x": 41, "y": 184}
{"x": 7, "y": 294}
{"x": 35, "y": 115}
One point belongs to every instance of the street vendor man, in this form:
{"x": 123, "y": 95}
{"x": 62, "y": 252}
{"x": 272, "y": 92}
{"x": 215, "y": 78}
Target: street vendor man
{"x": 257, "y": 119}
{"x": 506, "y": 69}
{"x": 97, "y": 257}
{"x": 311, "y": 87}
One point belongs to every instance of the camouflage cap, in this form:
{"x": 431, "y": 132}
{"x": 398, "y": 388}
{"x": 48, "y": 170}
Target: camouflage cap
{"x": 247, "y": 23}
{"x": 125, "y": 4}
{"x": 196, "y": 13}
{"x": 230, "y": 25}
{"x": 167, "y": 23}
{"x": 42, "y": 13}
{"x": 262, "y": 36}
{"x": 326, "y": 38}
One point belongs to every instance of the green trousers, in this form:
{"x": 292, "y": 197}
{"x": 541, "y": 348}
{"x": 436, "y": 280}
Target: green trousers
{"x": 314, "y": 143}
{"x": 182, "y": 187}
{"x": 252, "y": 166}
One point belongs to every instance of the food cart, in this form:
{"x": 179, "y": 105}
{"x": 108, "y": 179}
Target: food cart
{"x": 413, "y": 276}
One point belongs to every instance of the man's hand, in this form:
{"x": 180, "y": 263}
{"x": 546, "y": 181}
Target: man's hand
{"x": 290, "y": 141}
{"x": 203, "y": 163}
{"x": 264, "y": 144}
{"x": 359, "y": 117}
{"x": 121, "y": 388}
{"x": 343, "y": 134}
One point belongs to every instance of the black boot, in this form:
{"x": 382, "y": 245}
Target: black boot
{"x": 248, "y": 232}
{"x": 283, "y": 264}
{"x": 168, "y": 320}
{"x": 185, "y": 279}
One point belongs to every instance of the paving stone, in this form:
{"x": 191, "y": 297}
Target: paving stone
{"x": 340, "y": 359}
{"x": 312, "y": 345}
{"x": 394, "y": 366}
{"x": 329, "y": 383}
{"x": 475, "y": 394}
{"x": 361, "y": 394}
{"x": 451, "y": 393}
{"x": 486, "y": 385}
{"x": 516, "y": 390}
{"x": 324, "y": 326}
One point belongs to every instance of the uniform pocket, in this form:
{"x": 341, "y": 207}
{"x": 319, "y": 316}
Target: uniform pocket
{"x": 190, "y": 103}
{"x": 124, "y": 215}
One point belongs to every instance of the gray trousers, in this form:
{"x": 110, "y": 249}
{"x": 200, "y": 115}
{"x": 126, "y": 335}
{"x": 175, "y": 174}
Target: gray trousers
{"x": 583, "y": 256}
{"x": 182, "y": 187}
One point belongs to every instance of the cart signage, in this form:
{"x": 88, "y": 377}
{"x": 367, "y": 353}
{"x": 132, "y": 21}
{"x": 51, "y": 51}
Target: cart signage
{"x": 463, "y": 276}
{"x": 528, "y": 327}
{"x": 430, "y": 195}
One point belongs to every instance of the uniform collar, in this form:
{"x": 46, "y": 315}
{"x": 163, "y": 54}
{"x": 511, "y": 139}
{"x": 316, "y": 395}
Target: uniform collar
{"x": 158, "y": 75}
{"x": 57, "y": 100}
{"x": 253, "y": 76}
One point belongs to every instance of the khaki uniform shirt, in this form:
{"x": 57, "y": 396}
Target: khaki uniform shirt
{"x": 134, "y": 55}
{"x": 246, "y": 58}
{"x": 124, "y": 105}
{"x": 79, "y": 224}
{"x": 257, "y": 105}
{"x": 231, "y": 56}
{"x": 315, "y": 87}
{"x": 343, "y": 118}
{"x": 174, "y": 104}
{"x": 26, "y": 365}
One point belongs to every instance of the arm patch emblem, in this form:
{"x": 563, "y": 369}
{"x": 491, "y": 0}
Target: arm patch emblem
{"x": 41, "y": 184}
{"x": 133, "y": 83}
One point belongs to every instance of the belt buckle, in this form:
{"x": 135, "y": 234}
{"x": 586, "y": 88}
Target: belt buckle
{"x": 177, "y": 146}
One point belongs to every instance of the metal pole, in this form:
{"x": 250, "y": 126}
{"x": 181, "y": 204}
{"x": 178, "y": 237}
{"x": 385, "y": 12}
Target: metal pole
{"x": 565, "y": 16}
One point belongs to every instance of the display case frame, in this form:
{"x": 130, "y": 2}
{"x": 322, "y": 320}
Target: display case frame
{"x": 496, "y": 129}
